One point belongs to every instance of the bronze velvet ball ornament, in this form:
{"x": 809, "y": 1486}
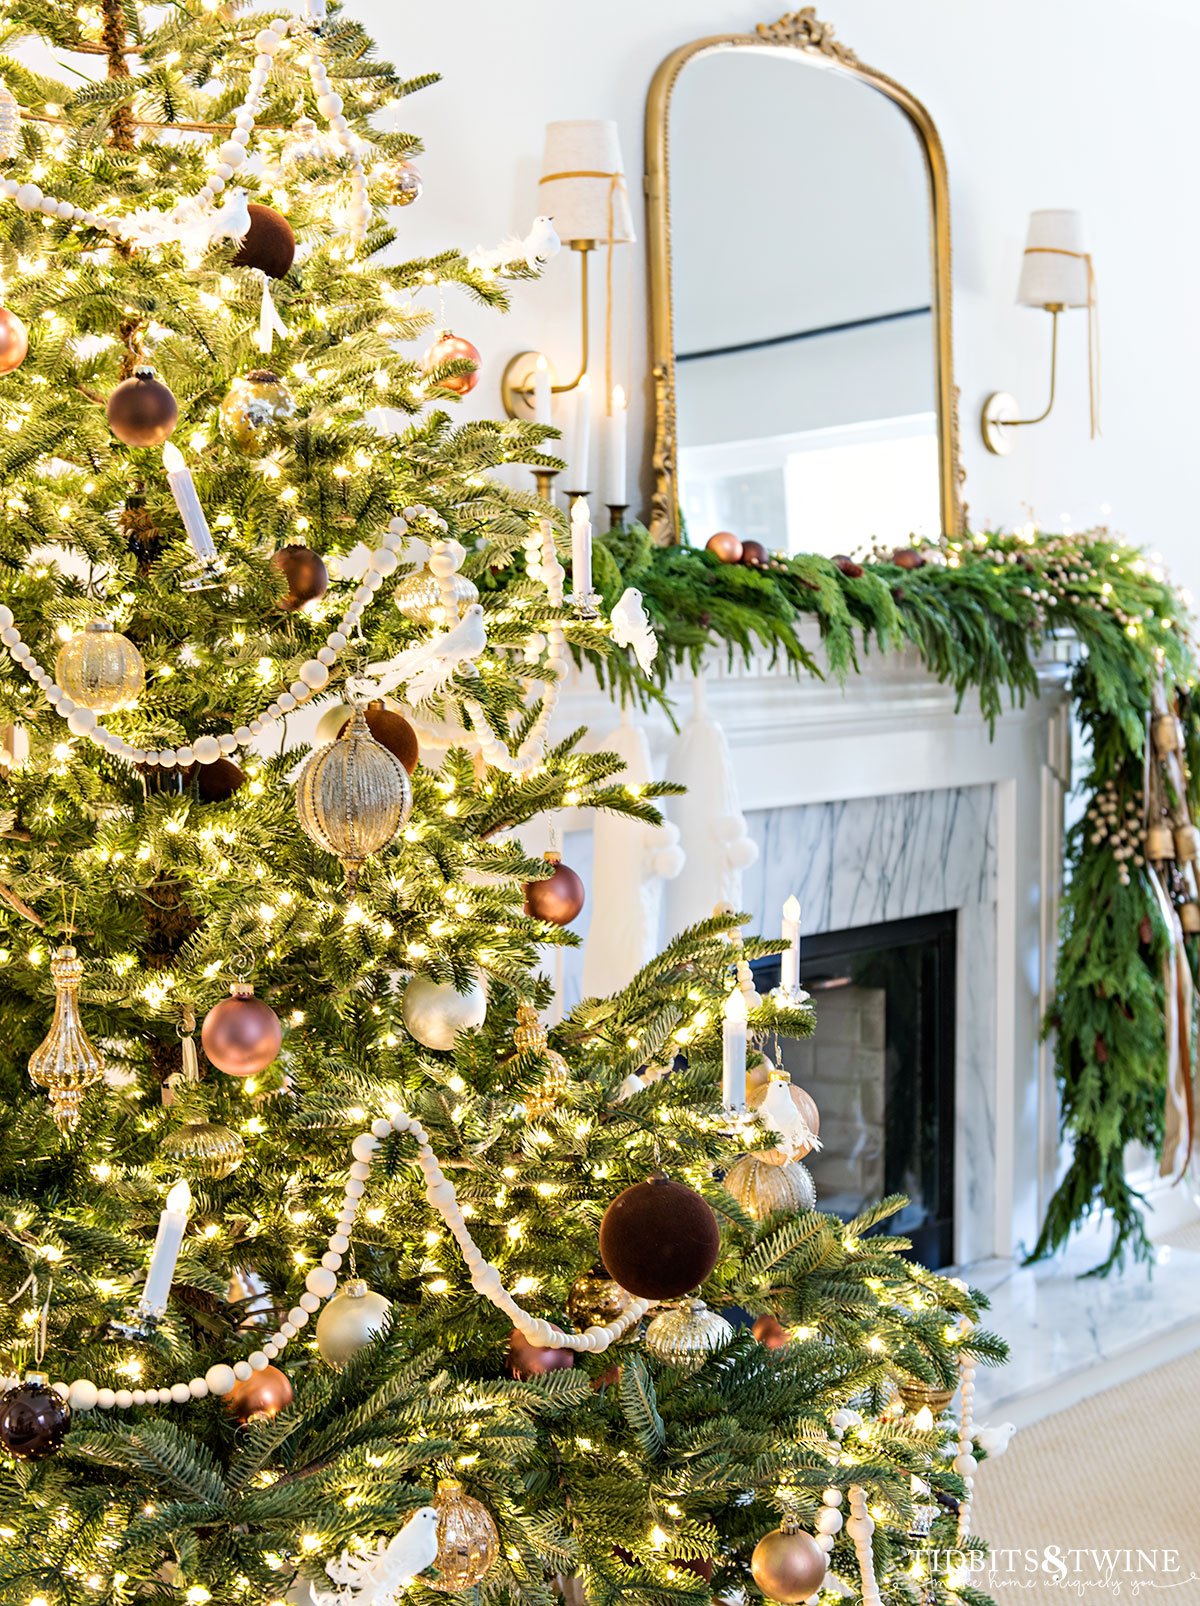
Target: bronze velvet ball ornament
{"x": 305, "y": 573}
{"x": 557, "y": 899}
{"x": 142, "y": 411}
{"x": 659, "y": 1239}
{"x": 268, "y": 243}
{"x": 531, "y": 1360}
{"x": 755, "y": 555}
{"x": 725, "y": 546}
{"x": 33, "y": 1419}
{"x": 241, "y": 1035}
{"x": 218, "y": 781}
{"x": 14, "y": 341}
{"x": 260, "y": 1396}
{"x": 391, "y": 730}
{"x": 788, "y": 1566}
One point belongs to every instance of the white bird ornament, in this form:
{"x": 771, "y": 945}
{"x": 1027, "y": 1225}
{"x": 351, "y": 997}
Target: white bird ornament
{"x": 535, "y": 250}
{"x": 426, "y": 668}
{"x": 631, "y": 627}
{"x": 379, "y": 1576}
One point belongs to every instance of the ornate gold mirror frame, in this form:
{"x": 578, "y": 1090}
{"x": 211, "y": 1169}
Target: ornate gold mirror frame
{"x": 801, "y": 30}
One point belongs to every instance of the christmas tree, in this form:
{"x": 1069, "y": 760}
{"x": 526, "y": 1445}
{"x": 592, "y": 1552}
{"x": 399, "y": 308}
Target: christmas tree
{"x": 318, "y": 1302}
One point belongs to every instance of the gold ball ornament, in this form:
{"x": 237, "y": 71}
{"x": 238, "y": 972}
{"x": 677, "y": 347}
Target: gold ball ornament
{"x": 788, "y": 1565}
{"x": 402, "y": 186}
{"x": 595, "y": 1299}
{"x": 349, "y": 1322}
{"x": 253, "y": 409}
{"x": 100, "y": 669}
{"x": 467, "y": 1541}
{"x": 918, "y": 1395}
{"x": 531, "y": 1037}
{"x": 419, "y": 598}
{"x": 14, "y": 341}
{"x": 763, "y": 1188}
{"x": 67, "y": 1063}
{"x": 435, "y": 1011}
{"x": 353, "y": 796}
{"x": 687, "y": 1335}
{"x": 204, "y": 1149}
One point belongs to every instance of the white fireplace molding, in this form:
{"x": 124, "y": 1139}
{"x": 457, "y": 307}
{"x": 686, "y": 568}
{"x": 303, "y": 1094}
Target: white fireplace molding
{"x": 990, "y": 843}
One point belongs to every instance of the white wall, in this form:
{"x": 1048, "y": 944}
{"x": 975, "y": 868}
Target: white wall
{"x": 1039, "y": 102}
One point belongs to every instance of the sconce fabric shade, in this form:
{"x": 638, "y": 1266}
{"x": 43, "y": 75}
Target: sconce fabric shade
{"x": 1055, "y": 268}
{"x": 583, "y": 183}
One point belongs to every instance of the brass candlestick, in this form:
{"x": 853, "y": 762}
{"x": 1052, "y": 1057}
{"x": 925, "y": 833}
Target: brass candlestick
{"x": 616, "y": 515}
{"x": 544, "y": 479}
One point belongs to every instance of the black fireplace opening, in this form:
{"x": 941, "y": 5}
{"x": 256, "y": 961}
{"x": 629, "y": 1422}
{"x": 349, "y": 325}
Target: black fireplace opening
{"x": 881, "y": 1068}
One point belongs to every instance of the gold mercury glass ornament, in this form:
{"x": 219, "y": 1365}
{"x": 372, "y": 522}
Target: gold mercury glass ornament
{"x": 419, "y": 598}
{"x": 917, "y": 1395}
{"x": 530, "y": 1037}
{"x": 100, "y": 669}
{"x": 762, "y": 1188}
{"x": 353, "y": 795}
{"x": 67, "y": 1063}
{"x": 467, "y": 1541}
{"x": 595, "y": 1299}
{"x": 204, "y": 1149}
{"x": 686, "y": 1335}
{"x": 253, "y": 409}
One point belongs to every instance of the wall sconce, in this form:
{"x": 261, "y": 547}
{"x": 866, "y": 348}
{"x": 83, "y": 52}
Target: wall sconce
{"x": 1056, "y": 273}
{"x": 583, "y": 190}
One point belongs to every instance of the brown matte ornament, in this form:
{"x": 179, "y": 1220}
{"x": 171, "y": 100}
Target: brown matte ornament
{"x": 260, "y": 1396}
{"x": 532, "y": 1360}
{"x": 141, "y": 410}
{"x": 391, "y": 730}
{"x": 659, "y": 1239}
{"x": 453, "y": 348}
{"x": 755, "y": 555}
{"x": 726, "y": 546}
{"x": 467, "y": 1541}
{"x": 14, "y": 341}
{"x": 770, "y": 1332}
{"x": 305, "y": 573}
{"x": 805, "y": 1105}
{"x": 788, "y": 1566}
{"x": 907, "y": 557}
{"x": 268, "y": 244}
{"x": 557, "y": 899}
{"x": 218, "y": 781}
{"x": 241, "y": 1035}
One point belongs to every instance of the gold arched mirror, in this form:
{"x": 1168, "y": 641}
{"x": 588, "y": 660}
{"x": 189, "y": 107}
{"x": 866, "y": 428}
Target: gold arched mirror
{"x": 800, "y": 283}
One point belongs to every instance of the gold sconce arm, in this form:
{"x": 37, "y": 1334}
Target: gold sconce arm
{"x": 517, "y": 381}
{"x": 1000, "y": 407}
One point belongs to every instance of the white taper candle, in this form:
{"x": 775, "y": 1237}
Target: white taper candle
{"x": 789, "y": 964}
{"x": 733, "y": 1076}
{"x": 543, "y": 404}
{"x": 183, "y": 489}
{"x": 581, "y": 549}
{"x": 580, "y": 455}
{"x": 172, "y": 1225}
{"x": 616, "y": 453}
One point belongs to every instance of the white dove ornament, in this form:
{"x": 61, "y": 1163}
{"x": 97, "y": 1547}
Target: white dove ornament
{"x": 778, "y": 1113}
{"x": 378, "y": 1577}
{"x": 631, "y": 627}
{"x": 426, "y": 668}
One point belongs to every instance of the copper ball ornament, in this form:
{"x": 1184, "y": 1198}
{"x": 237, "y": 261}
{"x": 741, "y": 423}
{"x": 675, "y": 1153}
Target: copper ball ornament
{"x": 788, "y": 1566}
{"x": 305, "y": 573}
{"x": 349, "y": 1322}
{"x": 726, "y": 546}
{"x": 659, "y": 1239}
{"x": 595, "y": 1299}
{"x": 907, "y": 557}
{"x": 33, "y": 1419}
{"x": 14, "y": 341}
{"x": 848, "y": 567}
{"x": 527, "y": 1360}
{"x": 391, "y": 730}
{"x": 241, "y": 1034}
{"x": 468, "y": 1544}
{"x": 141, "y": 410}
{"x": 558, "y": 898}
{"x": 402, "y": 186}
{"x": 770, "y": 1332}
{"x": 268, "y": 243}
{"x": 755, "y": 555}
{"x": 100, "y": 669}
{"x": 254, "y": 408}
{"x": 450, "y": 347}
{"x": 260, "y": 1396}
{"x": 218, "y": 781}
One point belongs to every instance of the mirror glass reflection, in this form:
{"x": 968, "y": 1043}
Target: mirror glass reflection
{"x": 802, "y": 281}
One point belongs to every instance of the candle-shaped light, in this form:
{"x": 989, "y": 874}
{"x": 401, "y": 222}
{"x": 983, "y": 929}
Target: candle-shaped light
{"x": 542, "y": 400}
{"x": 615, "y": 464}
{"x": 183, "y": 489}
{"x": 579, "y": 456}
{"x": 172, "y": 1225}
{"x": 581, "y": 549}
{"x": 789, "y": 963}
{"x": 733, "y": 1076}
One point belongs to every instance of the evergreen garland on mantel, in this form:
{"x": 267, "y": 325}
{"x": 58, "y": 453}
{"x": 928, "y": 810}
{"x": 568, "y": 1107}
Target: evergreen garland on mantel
{"x": 979, "y": 611}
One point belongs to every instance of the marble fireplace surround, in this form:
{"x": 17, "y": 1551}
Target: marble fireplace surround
{"x": 878, "y": 801}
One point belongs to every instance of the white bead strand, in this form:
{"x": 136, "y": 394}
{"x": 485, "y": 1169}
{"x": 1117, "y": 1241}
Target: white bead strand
{"x": 860, "y": 1526}
{"x": 965, "y": 1463}
{"x": 330, "y": 106}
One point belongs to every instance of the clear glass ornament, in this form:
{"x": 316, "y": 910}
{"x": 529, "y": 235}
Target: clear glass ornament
{"x": 419, "y": 598}
{"x": 468, "y": 1543}
{"x": 100, "y": 669}
{"x": 686, "y": 1335}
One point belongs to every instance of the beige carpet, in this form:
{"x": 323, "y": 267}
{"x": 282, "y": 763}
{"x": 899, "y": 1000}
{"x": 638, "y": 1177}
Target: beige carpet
{"x": 1115, "y": 1474}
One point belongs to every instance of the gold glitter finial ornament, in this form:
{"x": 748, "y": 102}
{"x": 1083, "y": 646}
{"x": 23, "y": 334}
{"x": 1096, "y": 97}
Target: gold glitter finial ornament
{"x": 353, "y": 795}
{"x": 204, "y": 1149}
{"x": 530, "y": 1037}
{"x": 67, "y": 1063}
{"x": 467, "y": 1541}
